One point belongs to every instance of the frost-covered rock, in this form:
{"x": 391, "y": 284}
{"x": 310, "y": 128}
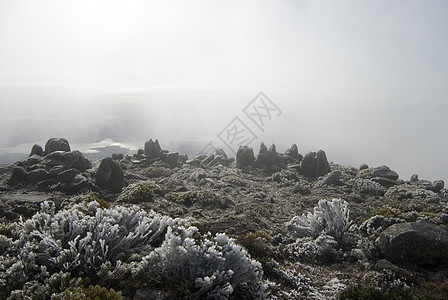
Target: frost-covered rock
{"x": 416, "y": 242}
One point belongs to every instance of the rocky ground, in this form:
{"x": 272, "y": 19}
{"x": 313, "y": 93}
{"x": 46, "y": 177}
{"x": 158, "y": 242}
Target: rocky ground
{"x": 318, "y": 230}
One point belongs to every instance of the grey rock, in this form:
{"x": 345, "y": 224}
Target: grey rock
{"x": 244, "y": 157}
{"x": 33, "y": 160}
{"x": 263, "y": 148}
{"x": 18, "y": 175}
{"x": 414, "y": 178}
{"x": 207, "y": 160}
{"x": 421, "y": 243}
{"x": 308, "y": 165}
{"x": 437, "y": 186}
{"x": 444, "y": 218}
{"x": 73, "y": 159}
{"x": 78, "y": 161}
{"x": 37, "y": 150}
{"x": 81, "y": 184}
{"x": 384, "y": 172}
{"x": 220, "y": 152}
{"x": 67, "y": 175}
{"x": 56, "y": 144}
{"x": 171, "y": 158}
{"x": 152, "y": 149}
{"x": 386, "y": 182}
{"x": 56, "y": 170}
{"x": 37, "y": 176}
{"x": 363, "y": 167}
{"x": 110, "y": 176}
{"x": 315, "y": 164}
{"x": 293, "y": 152}
{"x": 332, "y": 178}
{"x": 322, "y": 165}
{"x": 268, "y": 158}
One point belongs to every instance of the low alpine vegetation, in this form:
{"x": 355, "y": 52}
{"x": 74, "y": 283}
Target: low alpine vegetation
{"x": 104, "y": 247}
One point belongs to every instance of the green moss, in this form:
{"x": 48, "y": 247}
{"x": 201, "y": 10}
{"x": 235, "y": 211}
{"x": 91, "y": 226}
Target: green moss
{"x": 388, "y": 212}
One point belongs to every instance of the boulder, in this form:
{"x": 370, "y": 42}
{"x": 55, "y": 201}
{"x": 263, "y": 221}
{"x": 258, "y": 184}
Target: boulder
{"x": 171, "y": 158}
{"x": 315, "y": 164}
{"x": 293, "y": 152}
{"x": 33, "y": 160}
{"x": 263, "y": 148}
{"x": 73, "y": 159}
{"x": 219, "y": 158}
{"x": 332, "y": 178}
{"x": 308, "y": 165}
{"x": 78, "y": 161}
{"x": 244, "y": 157}
{"x": 18, "y": 175}
{"x": 152, "y": 149}
{"x": 437, "y": 186}
{"x": 386, "y": 182}
{"x": 67, "y": 175}
{"x": 384, "y": 172}
{"x": 56, "y": 144}
{"x": 110, "y": 176}
{"x": 322, "y": 165}
{"x": 54, "y": 171}
{"x": 363, "y": 167}
{"x": 37, "y": 175}
{"x": 268, "y": 157}
{"x": 37, "y": 150}
{"x": 421, "y": 243}
{"x": 414, "y": 178}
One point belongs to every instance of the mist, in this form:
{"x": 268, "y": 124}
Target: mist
{"x": 363, "y": 80}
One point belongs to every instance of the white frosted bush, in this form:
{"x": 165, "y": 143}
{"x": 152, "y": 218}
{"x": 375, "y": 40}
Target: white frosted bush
{"x": 126, "y": 243}
{"x": 210, "y": 267}
{"x": 329, "y": 217}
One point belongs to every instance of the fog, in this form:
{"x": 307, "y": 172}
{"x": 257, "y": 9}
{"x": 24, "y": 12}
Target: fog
{"x": 363, "y": 80}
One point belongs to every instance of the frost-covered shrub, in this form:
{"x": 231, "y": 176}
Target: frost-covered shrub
{"x": 329, "y": 217}
{"x": 206, "y": 266}
{"x": 324, "y": 249}
{"x": 105, "y": 247}
{"x": 407, "y": 191}
{"x": 369, "y": 187}
{"x": 82, "y": 238}
{"x": 138, "y": 192}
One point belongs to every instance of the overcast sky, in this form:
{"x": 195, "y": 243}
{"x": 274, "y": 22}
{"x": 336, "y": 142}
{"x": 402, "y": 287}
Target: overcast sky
{"x": 364, "y": 80}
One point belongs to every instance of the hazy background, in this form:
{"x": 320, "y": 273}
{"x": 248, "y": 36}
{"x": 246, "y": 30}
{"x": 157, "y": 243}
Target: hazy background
{"x": 364, "y": 80}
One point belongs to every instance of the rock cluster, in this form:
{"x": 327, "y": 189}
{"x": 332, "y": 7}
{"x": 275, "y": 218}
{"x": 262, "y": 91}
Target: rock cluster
{"x": 312, "y": 165}
{"x": 55, "y": 169}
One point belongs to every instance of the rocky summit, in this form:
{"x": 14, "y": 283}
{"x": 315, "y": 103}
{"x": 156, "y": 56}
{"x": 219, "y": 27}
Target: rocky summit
{"x": 269, "y": 225}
